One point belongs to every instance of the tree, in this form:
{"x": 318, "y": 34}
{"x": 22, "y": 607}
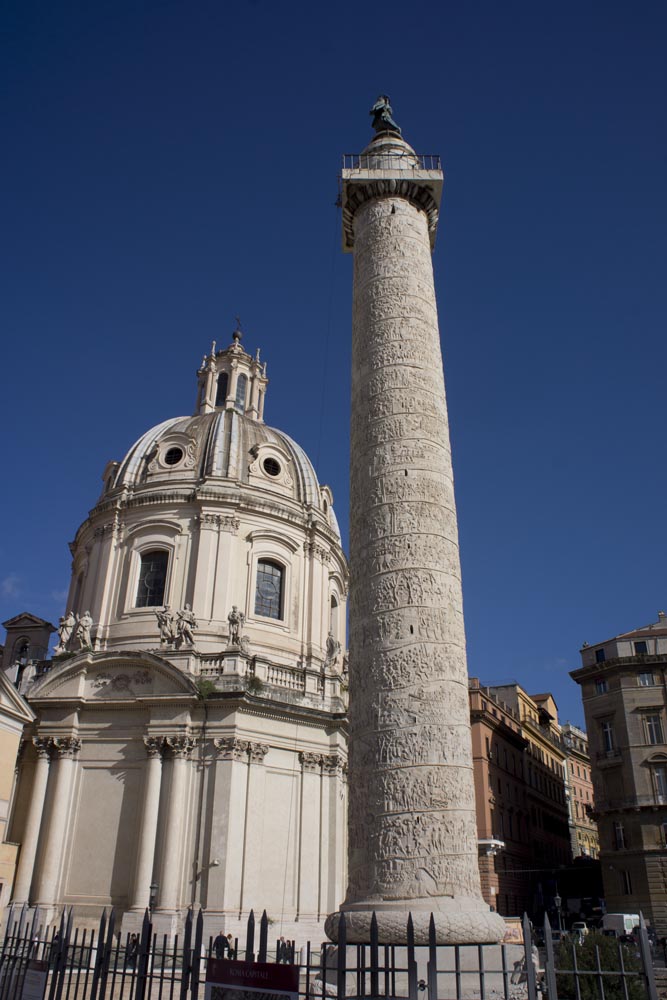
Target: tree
{"x": 609, "y": 951}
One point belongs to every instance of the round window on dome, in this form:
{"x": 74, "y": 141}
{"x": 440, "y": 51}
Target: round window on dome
{"x": 271, "y": 467}
{"x": 173, "y": 456}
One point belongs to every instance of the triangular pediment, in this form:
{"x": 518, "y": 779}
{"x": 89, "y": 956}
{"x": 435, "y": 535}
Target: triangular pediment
{"x": 25, "y": 621}
{"x": 103, "y": 677}
{"x": 11, "y": 702}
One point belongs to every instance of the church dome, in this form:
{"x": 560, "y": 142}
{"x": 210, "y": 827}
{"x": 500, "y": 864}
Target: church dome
{"x": 211, "y": 448}
{"x": 210, "y": 515}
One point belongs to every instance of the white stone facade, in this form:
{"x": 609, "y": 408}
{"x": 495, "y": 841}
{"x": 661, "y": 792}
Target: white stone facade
{"x": 210, "y": 763}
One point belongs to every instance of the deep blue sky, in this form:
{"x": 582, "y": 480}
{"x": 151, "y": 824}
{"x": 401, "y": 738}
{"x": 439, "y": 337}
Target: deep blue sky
{"x": 169, "y": 165}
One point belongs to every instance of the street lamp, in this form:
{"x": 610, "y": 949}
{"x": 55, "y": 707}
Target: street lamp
{"x": 152, "y": 898}
{"x": 557, "y": 902}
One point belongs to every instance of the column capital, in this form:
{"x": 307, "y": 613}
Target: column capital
{"x": 310, "y": 761}
{"x": 231, "y": 747}
{"x": 65, "y": 746}
{"x": 179, "y": 746}
{"x": 333, "y": 764}
{"x": 42, "y": 745}
{"x": 258, "y": 752}
{"x": 154, "y": 745}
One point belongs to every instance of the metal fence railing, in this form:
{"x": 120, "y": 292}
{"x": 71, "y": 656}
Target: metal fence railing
{"x": 391, "y": 161}
{"x": 101, "y": 964}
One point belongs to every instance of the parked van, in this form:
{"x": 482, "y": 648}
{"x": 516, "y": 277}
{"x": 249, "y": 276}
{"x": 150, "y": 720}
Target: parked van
{"x": 620, "y": 923}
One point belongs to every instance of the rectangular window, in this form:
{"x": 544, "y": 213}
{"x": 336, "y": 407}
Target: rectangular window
{"x": 660, "y": 778}
{"x": 619, "y": 836}
{"x": 626, "y": 882}
{"x": 269, "y": 589}
{"x": 152, "y": 579}
{"x": 646, "y": 680}
{"x": 600, "y": 656}
{"x": 641, "y": 648}
{"x": 601, "y": 686}
{"x": 653, "y": 724}
{"x": 607, "y": 733}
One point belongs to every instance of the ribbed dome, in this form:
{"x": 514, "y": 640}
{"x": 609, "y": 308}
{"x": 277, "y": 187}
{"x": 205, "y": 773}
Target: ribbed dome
{"x": 219, "y": 446}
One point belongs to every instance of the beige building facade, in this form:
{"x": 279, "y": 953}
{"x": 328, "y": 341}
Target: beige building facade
{"x": 579, "y": 793}
{"x": 14, "y": 715}
{"x": 623, "y": 686}
{"x": 189, "y": 745}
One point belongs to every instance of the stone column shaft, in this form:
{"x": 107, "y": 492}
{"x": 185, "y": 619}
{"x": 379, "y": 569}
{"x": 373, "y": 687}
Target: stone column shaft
{"x": 180, "y": 748}
{"x": 33, "y": 822}
{"x": 412, "y": 826}
{"x": 148, "y": 830}
{"x": 61, "y": 777}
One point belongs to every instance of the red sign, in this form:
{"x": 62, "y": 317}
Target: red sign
{"x": 227, "y": 980}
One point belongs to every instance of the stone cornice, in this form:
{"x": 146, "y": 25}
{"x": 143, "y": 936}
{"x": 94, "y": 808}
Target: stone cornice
{"x": 618, "y": 663}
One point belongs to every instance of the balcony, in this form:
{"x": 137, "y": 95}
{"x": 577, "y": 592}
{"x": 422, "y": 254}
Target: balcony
{"x": 632, "y": 802}
{"x": 390, "y": 161}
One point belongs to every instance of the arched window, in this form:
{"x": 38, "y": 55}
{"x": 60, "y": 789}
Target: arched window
{"x": 269, "y": 589}
{"x": 22, "y": 650}
{"x": 221, "y": 390}
{"x": 241, "y": 386}
{"x": 333, "y": 616}
{"x": 152, "y": 578}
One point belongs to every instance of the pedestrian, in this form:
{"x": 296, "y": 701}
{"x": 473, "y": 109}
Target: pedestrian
{"x": 55, "y": 950}
{"x": 230, "y": 948}
{"x": 220, "y": 945}
{"x": 283, "y": 951}
{"x": 132, "y": 951}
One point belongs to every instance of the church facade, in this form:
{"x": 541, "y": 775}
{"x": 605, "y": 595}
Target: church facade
{"x": 189, "y": 742}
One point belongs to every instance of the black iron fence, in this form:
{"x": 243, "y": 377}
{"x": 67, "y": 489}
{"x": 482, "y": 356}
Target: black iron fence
{"x": 101, "y": 964}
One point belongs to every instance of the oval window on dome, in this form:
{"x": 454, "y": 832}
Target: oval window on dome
{"x": 173, "y": 456}
{"x": 271, "y": 467}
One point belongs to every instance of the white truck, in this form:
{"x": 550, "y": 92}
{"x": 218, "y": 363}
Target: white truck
{"x": 620, "y": 923}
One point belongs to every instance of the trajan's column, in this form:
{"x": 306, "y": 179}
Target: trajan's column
{"x": 412, "y": 830}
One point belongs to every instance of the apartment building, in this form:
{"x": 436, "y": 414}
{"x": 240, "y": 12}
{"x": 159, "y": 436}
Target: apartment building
{"x": 625, "y": 702}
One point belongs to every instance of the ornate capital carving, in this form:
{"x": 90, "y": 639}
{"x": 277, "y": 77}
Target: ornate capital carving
{"x": 42, "y": 745}
{"x": 332, "y": 764}
{"x": 231, "y": 748}
{"x": 223, "y": 522}
{"x": 65, "y": 746}
{"x": 310, "y": 761}
{"x": 154, "y": 745}
{"x": 179, "y": 746}
{"x": 258, "y": 752}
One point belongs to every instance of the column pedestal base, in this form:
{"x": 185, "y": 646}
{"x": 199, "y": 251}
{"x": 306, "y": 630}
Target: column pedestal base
{"x": 458, "y": 920}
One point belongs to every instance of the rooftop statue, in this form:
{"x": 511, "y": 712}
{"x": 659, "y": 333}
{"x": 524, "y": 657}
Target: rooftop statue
{"x": 382, "y": 120}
